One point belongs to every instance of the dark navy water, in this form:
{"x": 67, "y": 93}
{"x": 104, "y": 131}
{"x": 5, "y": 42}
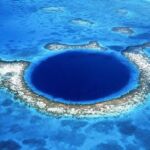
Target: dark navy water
{"x": 80, "y": 76}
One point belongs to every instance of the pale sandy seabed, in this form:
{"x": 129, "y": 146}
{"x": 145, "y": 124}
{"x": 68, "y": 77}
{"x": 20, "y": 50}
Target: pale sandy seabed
{"x": 12, "y": 78}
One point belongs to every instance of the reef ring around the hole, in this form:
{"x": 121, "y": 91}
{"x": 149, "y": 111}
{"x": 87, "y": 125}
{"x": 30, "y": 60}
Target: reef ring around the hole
{"x": 132, "y": 83}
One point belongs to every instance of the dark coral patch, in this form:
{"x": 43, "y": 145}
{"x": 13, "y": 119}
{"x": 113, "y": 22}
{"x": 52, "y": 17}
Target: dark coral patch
{"x": 126, "y": 127}
{"x": 111, "y": 145}
{"x": 9, "y": 145}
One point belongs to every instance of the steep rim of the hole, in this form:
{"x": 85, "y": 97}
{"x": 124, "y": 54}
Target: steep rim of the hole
{"x": 132, "y": 84}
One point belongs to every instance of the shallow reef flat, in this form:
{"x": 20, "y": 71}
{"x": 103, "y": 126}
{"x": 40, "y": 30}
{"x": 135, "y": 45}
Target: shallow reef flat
{"x": 139, "y": 47}
{"x": 60, "y": 46}
{"x": 53, "y": 9}
{"x": 123, "y": 30}
{"x": 82, "y": 22}
{"x": 12, "y": 78}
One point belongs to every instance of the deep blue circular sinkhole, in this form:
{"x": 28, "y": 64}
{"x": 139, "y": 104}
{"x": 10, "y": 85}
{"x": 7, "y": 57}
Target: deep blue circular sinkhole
{"x": 79, "y": 76}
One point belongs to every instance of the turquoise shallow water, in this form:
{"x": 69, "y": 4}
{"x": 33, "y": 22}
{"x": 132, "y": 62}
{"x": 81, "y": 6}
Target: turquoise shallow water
{"x": 25, "y": 27}
{"x": 23, "y": 128}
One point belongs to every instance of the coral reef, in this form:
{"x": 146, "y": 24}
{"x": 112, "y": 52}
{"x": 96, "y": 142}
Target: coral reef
{"x": 12, "y": 78}
{"x": 123, "y": 30}
{"x": 60, "y": 46}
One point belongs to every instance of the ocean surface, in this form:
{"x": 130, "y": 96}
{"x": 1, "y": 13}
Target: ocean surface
{"x": 25, "y": 27}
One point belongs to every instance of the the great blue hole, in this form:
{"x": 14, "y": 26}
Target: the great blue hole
{"x": 79, "y": 76}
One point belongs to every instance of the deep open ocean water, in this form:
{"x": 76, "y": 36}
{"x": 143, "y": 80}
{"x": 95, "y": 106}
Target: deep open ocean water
{"x": 25, "y": 27}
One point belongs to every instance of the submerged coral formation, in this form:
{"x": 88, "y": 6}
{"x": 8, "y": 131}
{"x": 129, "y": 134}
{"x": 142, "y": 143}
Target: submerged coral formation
{"x": 12, "y": 78}
{"x": 60, "y": 46}
{"x": 137, "y": 48}
{"x": 82, "y": 22}
{"x": 53, "y": 9}
{"x": 123, "y": 30}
